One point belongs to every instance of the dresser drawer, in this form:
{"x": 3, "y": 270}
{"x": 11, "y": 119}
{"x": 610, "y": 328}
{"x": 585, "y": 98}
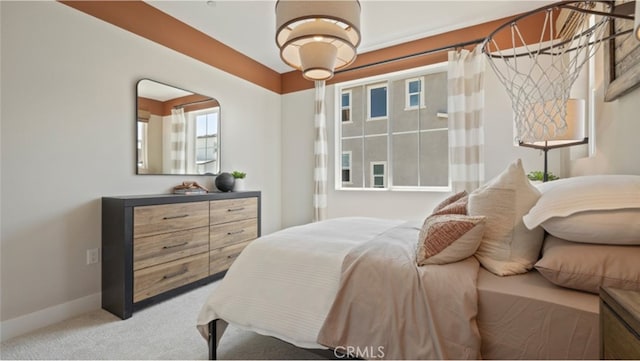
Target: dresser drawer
{"x": 221, "y": 258}
{"x": 150, "y": 220}
{"x": 234, "y": 232}
{"x": 230, "y": 210}
{"x": 165, "y": 247}
{"x": 151, "y": 281}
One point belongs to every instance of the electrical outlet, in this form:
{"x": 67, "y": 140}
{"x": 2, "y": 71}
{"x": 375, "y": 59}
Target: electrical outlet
{"x": 93, "y": 255}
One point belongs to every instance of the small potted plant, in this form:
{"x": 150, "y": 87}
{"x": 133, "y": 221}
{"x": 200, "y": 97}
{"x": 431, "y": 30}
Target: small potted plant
{"x": 537, "y": 176}
{"x": 239, "y": 180}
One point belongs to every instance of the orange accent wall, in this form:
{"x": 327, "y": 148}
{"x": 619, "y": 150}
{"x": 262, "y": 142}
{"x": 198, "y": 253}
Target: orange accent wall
{"x": 151, "y": 23}
{"x": 145, "y": 20}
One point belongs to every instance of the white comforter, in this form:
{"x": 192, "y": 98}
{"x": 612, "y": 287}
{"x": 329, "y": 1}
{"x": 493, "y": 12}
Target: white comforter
{"x": 284, "y": 284}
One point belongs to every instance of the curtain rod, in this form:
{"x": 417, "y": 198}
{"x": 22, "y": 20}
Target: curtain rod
{"x": 414, "y": 55}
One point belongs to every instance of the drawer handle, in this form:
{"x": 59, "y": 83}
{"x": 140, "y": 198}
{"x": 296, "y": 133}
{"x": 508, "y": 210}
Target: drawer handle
{"x": 235, "y": 232}
{"x": 235, "y": 209}
{"x": 175, "y": 274}
{"x": 233, "y": 256}
{"x": 174, "y": 217}
{"x": 176, "y": 245}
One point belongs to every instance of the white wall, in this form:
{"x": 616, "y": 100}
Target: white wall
{"x": 67, "y": 138}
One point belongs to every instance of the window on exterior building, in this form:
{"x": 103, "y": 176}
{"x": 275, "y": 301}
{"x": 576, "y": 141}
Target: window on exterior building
{"x": 390, "y": 145}
{"x": 378, "y": 174}
{"x": 346, "y": 106}
{"x": 377, "y": 95}
{"x": 206, "y": 137}
{"x": 414, "y": 93}
{"x": 346, "y": 167}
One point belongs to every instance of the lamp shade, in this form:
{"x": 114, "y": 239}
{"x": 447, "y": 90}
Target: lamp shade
{"x": 318, "y": 37}
{"x": 555, "y": 121}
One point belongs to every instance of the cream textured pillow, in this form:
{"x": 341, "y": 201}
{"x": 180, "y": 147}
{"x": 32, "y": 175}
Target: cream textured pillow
{"x": 590, "y": 209}
{"x": 449, "y": 238}
{"x": 587, "y": 267}
{"x": 586, "y": 193}
{"x": 507, "y": 246}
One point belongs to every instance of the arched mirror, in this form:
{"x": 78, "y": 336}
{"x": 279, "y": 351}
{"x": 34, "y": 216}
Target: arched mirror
{"x": 178, "y": 131}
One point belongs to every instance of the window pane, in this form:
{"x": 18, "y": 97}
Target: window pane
{"x": 378, "y": 182}
{"x": 378, "y": 169}
{"x": 345, "y": 99}
{"x": 414, "y": 100}
{"x": 346, "y": 175}
{"x": 378, "y": 104}
{"x": 346, "y": 115}
{"x": 405, "y": 159}
{"x": 414, "y": 86}
{"x": 345, "y": 161}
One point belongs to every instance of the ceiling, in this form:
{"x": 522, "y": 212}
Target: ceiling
{"x": 249, "y": 26}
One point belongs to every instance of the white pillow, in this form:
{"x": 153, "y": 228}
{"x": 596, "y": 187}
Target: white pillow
{"x": 617, "y": 226}
{"x": 507, "y": 246}
{"x": 585, "y": 193}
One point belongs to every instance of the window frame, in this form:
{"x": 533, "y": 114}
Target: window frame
{"x": 408, "y": 93}
{"x": 349, "y": 107}
{"x": 366, "y": 83}
{"x": 349, "y": 168}
{"x": 372, "y": 175}
{"x": 194, "y": 115}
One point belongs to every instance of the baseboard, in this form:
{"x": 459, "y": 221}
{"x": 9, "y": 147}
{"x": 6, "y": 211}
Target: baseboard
{"x": 48, "y": 316}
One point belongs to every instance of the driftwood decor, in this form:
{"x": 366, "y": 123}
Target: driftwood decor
{"x": 622, "y": 55}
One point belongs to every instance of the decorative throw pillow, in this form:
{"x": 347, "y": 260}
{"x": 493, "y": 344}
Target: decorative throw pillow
{"x": 448, "y": 238}
{"x": 507, "y": 246}
{"x": 449, "y": 200}
{"x": 457, "y": 207}
{"x": 587, "y": 267}
{"x": 590, "y": 209}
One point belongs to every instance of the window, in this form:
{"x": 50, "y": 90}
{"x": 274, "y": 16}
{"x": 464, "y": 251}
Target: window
{"x": 414, "y": 93}
{"x": 384, "y": 146}
{"x": 206, "y": 137}
{"x": 346, "y": 167}
{"x": 346, "y": 107}
{"x": 142, "y": 145}
{"x": 377, "y": 101}
{"x": 378, "y": 174}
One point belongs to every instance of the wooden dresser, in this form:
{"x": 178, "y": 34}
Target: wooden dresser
{"x": 619, "y": 324}
{"x": 155, "y": 247}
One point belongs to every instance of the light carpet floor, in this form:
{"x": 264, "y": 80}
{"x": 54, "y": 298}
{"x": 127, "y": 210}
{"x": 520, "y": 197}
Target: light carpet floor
{"x": 165, "y": 331}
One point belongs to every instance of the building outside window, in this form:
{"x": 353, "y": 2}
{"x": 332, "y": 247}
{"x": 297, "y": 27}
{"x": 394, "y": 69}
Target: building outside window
{"x": 391, "y": 145}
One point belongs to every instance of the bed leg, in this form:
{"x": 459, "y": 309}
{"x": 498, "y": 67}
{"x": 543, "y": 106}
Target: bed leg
{"x": 216, "y": 329}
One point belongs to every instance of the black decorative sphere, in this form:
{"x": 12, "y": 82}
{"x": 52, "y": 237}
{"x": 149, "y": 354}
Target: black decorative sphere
{"x": 224, "y": 182}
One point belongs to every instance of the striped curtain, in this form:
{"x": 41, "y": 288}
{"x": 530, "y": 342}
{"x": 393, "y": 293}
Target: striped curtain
{"x": 320, "y": 155}
{"x": 178, "y": 141}
{"x": 466, "y": 117}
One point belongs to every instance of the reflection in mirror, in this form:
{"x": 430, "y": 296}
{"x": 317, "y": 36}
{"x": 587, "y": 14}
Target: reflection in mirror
{"x": 178, "y": 131}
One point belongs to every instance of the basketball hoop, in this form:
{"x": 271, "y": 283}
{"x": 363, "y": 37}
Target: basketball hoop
{"x": 538, "y": 72}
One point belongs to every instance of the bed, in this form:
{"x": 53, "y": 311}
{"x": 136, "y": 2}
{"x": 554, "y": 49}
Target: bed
{"x": 311, "y": 286}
